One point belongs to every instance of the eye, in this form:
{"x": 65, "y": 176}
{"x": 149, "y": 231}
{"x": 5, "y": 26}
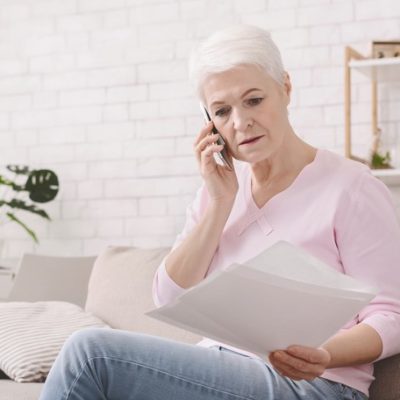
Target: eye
{"x": 255, "y": 101}
{"x": 221, "y": 112}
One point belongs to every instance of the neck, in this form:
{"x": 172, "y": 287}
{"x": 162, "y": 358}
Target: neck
{"x": 291, "y": 157}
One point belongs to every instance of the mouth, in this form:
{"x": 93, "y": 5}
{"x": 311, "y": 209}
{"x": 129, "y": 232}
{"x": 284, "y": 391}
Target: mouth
{"x": 250, "y": 140}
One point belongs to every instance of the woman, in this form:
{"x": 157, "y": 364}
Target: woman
{"x": 282, "y": 188}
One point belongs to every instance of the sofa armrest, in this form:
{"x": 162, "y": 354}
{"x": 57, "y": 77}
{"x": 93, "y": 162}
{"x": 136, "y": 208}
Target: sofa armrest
{"x": 387, "y": 379}
{"x": 51, "y": 278}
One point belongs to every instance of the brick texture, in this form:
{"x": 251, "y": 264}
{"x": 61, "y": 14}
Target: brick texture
{"x": 97, "y": 90}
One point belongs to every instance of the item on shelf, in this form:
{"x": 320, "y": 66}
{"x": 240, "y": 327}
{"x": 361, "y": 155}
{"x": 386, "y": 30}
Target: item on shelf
{"x": 379, "y": 160}
{"x": 385, "y": 49}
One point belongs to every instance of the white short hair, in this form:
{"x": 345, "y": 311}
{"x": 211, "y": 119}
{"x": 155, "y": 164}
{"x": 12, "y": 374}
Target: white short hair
{"x": 232, "y": 47}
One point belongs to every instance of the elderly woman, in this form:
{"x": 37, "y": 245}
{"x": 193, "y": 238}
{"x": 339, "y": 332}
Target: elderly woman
{"x": 282, "y": 189}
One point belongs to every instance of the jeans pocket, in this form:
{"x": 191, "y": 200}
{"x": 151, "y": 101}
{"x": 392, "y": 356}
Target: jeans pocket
{"x": 344, "y": 392}
{"x": 349, "y": 393}
{"x": 334, "y": 387}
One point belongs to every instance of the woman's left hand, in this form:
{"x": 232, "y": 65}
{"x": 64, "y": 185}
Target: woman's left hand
{"x": 299, "y": 362}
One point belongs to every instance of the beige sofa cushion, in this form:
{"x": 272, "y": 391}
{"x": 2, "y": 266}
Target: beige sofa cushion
{"x": 119, "y": 291}
{"x": 11, "y": 390}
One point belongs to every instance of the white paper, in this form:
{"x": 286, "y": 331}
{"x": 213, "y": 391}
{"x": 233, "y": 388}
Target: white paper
{"x": 283, "y": 296}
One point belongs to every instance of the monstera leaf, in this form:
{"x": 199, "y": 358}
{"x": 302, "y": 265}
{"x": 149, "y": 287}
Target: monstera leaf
{"x": 13, "y": 185}
{"x": 30, "y": 232}
{"x": 19, "y": 169}
{"x": 42, "y": 185}
{"x": 20, "y": 204}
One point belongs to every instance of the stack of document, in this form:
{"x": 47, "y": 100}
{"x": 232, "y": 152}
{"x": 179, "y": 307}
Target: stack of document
{"x": 284, "y": 296}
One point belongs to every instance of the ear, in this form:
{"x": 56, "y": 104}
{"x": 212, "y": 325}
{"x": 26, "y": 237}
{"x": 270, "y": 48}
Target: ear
{"x": 287, "y": 87}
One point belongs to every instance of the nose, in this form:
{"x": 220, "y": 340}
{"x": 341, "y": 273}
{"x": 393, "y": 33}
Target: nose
{"x": 241, "y": 119}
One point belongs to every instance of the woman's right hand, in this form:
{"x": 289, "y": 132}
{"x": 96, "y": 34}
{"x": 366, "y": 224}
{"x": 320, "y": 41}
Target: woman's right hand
{"x": 221, "y": 183}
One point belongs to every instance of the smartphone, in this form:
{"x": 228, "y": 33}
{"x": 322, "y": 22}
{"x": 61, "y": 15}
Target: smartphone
{"x": 223, "y": 155}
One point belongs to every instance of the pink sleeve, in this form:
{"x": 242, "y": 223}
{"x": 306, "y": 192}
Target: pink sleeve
{"x": 368, "y": 238}
{"x": 164, "y": 288}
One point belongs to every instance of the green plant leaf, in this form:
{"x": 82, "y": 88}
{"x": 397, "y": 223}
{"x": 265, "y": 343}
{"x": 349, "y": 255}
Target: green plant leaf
{"x": 18, "y": 169}
{"x": 14, "y": 186}
{"x": 30, "y": 232}
{"x": 21, "y": 205}
{"x": 380, "y": 161}
{"x": 42, "y": 185}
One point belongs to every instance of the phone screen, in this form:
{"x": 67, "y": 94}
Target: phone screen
{"x": 223, "y": 155}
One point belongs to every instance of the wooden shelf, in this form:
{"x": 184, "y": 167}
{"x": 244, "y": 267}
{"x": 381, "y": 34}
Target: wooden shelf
{"x": 379, "y": 69}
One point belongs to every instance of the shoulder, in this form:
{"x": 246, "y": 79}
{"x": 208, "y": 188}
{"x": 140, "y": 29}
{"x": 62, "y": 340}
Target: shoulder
{"x": 340, "y": 167}
{"x": 346, "y": 175}
{"x": 360, "y": 196}
{"x": 349, "y": 185}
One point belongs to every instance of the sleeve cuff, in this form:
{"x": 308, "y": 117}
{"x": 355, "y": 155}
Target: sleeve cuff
{"x": 165, "y": 289}
{"x": 388, "y": 328}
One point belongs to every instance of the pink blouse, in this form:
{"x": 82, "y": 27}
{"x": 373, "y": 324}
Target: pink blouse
{"x": 337, "y": 211}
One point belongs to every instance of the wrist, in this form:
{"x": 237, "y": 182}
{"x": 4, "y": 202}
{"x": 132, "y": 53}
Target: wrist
{"x": 328, "y": 357}
{"x": 222, "y": 204}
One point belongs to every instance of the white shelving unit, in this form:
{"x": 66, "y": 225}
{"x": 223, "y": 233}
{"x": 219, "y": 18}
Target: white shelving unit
{"x": 383, "y": 70}
{"x": 378, "y": 70}
{"x": 388, "y": 176}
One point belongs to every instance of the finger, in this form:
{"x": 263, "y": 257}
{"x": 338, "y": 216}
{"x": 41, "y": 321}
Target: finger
{"x": 204, "y": 143}
{"x": 310, "y": 354}
{"x": 206, "y": 130}
{"x": 293, "y": 374}
{"x": 293, "y": 364}
{"x": 207, "y": 140}
{"x": 290, "y": 372}
{"x": 208, "y": 153}
{"x": 296, "y": 363}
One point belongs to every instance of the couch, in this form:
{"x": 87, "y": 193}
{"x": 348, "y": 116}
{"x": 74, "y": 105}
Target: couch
{"x": 119, "y": 292}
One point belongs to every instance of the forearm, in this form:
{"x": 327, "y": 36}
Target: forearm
{"x": 188, "y": 264}
{"x": 359, "y": 345}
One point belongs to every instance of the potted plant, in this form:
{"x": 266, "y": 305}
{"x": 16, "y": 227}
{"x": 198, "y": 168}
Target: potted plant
{"x": 23, "y": 190}
{"x": 379, "y": 159}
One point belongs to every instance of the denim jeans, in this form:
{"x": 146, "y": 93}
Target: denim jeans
{"x": 105, "y": 364}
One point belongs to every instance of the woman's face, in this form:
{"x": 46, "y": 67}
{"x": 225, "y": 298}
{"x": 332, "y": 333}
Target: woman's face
{"x": 249, "y": 109}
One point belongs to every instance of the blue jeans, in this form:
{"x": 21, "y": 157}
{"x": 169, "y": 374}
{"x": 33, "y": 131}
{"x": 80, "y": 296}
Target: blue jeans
{"x": 105, "y": 364}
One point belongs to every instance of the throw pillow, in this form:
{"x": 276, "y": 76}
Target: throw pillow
{"x": 32, "y": 334}
{"x": 119, "y": 291}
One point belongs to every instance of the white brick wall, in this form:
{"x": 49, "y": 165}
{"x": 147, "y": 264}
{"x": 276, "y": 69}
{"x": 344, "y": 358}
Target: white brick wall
{"x": 97, "y": 90}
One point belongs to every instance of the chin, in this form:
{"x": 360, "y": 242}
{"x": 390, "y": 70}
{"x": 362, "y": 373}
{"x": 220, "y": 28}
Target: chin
{"x": 254, "y": 158}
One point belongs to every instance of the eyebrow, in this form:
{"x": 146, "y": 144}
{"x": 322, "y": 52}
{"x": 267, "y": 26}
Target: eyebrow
{"x": 243, "y": 95}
